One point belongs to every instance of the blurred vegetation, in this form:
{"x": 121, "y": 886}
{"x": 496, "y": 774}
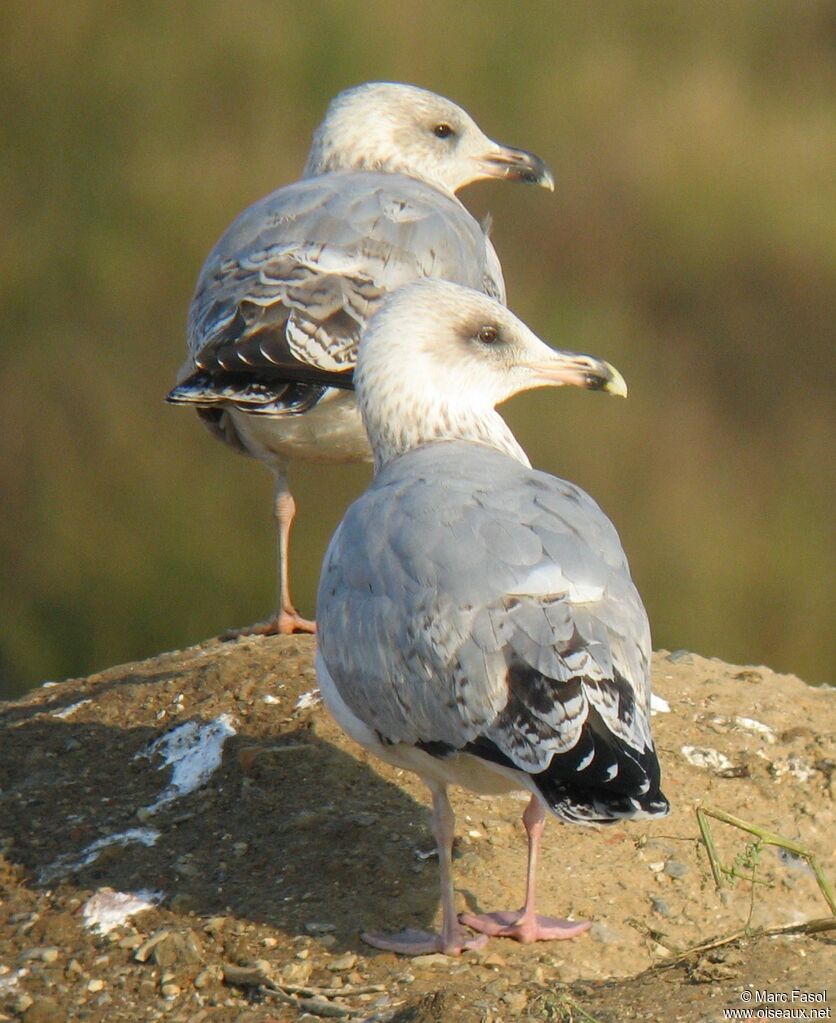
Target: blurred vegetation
{"x": 691, "y": 241}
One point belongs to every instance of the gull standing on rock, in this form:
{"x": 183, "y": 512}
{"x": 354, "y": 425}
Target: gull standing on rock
{"x": 477, "y": 620}
{"x": 282, "y": 298}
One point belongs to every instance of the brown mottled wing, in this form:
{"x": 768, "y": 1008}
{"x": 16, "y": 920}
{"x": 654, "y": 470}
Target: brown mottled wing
{"x": 283, "y": 296}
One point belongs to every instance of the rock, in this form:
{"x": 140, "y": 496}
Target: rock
{"x": 515, "y": 1000}
{"x": 675, "y": 869}
{"x": 48, "y": 954}
{"x": 144, "y": 951}
{"x": 606, "y": 935}
{"x": 313, "y": 927}
{"x": 493, "y": 960}
{"x": 660, "y": 906}
{"x": 22, "y": 1003}
{"x": 680, "y": 657}
{"x": 206, "y": 977}
{"x": 343, "y": 963}
{"x": 95, "y": 985}
{"x": 170, "y": 991}
{"x": 435, "y": 960}
{"x": 297, "y": 972}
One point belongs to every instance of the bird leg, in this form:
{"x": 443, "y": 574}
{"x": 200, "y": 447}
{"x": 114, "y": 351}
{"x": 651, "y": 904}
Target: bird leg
{"x": 525, "y": 924}
{"x": 287, "y": 619}
{"x": 453, "y": 940}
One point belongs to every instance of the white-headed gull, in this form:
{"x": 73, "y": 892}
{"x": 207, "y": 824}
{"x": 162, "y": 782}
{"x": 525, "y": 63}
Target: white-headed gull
{"x": 283, "y": 296}
{"x": 477, "y": 620}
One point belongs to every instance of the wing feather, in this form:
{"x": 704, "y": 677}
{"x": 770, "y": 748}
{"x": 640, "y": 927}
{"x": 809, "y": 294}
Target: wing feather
{"x": 285, "y": 293}
{"x": 509, "y": 629}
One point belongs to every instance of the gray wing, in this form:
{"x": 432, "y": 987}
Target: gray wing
{"x": 284, "y": 294}
{"x": 469, "y": 603}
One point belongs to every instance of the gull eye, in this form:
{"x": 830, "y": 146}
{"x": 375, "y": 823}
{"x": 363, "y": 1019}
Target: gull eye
{"x": 443, "y": 130}
{"x": 488, "y": 335}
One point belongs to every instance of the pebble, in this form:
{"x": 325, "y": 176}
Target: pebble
{"x": 432, "y": 961}
{"x": 145, "y": 949}
{"x": 94, "y": 985}
{"x": 170, "y": 990}
{"x": 327, "y": 941}
{"x": 660, "y": 906}
{"x": 515, "y": 1000}
{"x": 495, "y": 960}
{"x": 22, "y": 1003}
{"x": 297, "y": 972}
{"x": 342, "y": 963}
{"x": 205, "y": 977}
{"x": 675, "y": 869}
{"x": 680, "y": 657}
{"x": 314, "y": 927}
{"x": 601, "y": 932}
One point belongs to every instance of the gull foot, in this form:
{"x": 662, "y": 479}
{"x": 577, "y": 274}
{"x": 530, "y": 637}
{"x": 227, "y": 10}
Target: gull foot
{"x": 283, "y": 624}
{"x": 417, "y": 943}
{"x": 525, "y": 929}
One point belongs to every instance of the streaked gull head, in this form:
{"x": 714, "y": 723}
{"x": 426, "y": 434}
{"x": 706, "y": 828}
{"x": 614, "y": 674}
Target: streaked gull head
{"x": 394, "y": 128}
{"x": 436, "y": 359}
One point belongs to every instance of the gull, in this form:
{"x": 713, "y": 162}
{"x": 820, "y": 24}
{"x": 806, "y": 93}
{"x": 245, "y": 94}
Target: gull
{"x": 477, "y": 623}
{"x": 282, "y": 298}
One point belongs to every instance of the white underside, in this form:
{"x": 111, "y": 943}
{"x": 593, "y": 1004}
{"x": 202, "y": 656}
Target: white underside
{"x": 332, "y": 431}
{"x": 463, "y": 769}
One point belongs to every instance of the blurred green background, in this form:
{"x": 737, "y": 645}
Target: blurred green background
{"x": 691, "y": 241}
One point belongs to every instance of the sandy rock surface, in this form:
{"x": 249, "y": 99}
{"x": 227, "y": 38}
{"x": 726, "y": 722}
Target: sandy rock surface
{"x": 208, "y": 793}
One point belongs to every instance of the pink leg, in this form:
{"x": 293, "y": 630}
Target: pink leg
{"x": 287, "y": 619}
{"x": 453, "y": 940}
{"x": 524, "y": 924}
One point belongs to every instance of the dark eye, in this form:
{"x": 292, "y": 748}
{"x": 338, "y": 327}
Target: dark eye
{"x": 442, "y": 130}
{"x": 488, "y": 335}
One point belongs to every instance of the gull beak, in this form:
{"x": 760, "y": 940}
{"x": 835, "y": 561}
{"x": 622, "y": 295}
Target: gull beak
{"x": 568, "y": 369}
{"x": 517, "y": 165}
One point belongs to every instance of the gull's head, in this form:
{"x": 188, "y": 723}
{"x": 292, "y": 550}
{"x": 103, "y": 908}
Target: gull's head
{"x": 395, "y": 128}
{"x": 436, "y": 358}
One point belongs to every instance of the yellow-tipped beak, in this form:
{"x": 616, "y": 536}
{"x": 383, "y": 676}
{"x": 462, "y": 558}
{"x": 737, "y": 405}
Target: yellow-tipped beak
{"x": 569, "y": 369}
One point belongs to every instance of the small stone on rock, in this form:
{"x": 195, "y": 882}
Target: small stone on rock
{"x": 313, "y": 927}
{"x": 431, "y": 961}
{"x": 660, "y": 906}
{"x": 297, "y": 972}
{"x": 343, "y": 962}
{"x": 515, "y": 1000}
